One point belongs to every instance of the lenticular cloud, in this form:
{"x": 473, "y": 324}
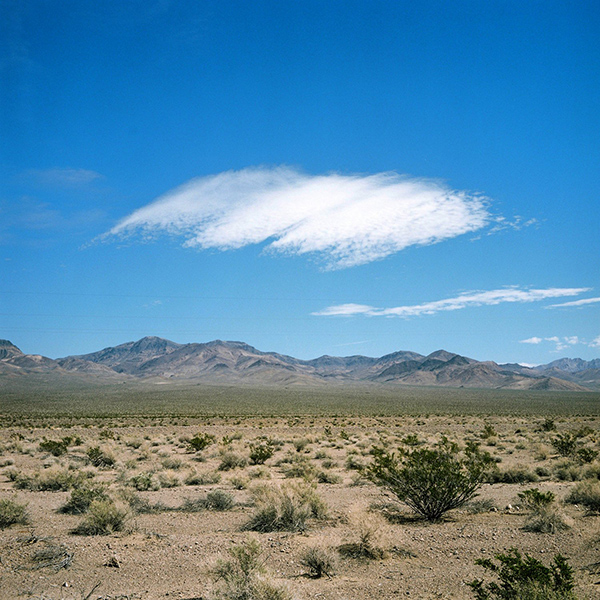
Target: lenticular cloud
{"x": 346, "y": 220}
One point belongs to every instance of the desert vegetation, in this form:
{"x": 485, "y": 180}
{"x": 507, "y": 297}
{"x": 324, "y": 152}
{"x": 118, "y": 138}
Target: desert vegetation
{"x": 265, "y": 507}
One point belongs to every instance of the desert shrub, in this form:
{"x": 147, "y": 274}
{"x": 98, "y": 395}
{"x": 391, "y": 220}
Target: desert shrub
{"x": 525, "y": 578}
{"x": 549, "y": 425}
{"x": 231, "y": 460}
{"x": 319, "y": 561}
{"x": 261, "y": 452}
{"x": 536, "y": 500}
{"x": 586, "y": 493}
{"x": 103, "y": 518}
{"x": 238, "y": 482}
{"x": 81, "y": 498}
{"x": 431, "y": 482}
{"x": 201, "y": 441}
{"x": 54, "y": 447}
{"x": 242, "y": 576}
{"x": 326, "y": 477}
{"x": 299, "y": 466}
{"x": 565, "y": 444}
{"x": 171, "y": 462}
{"x": 99, "y": 458}
{"x": 51, "y": 480}
{"x": 168, "y": 479}
{"x": 219, "y": 500}
{"x": 206, "y": 478}
{"x": 479, "y": 506}
{"x": 586, "y": 455}
{"x": 488, "y": 431}
{"x": 301, "y": 445}
{"x": 567, "y": 471}
{"x": 12, "y": 513}
{"x": 140, "y": 505}
{"x": 260, "y": 473}
{"x": 353, "y": 463}
{"x": 545, "y": 520}
{"x": 516, "y": 474}
{"x": 285, "y": 509}
{"x": 367, "y": 531}
{"x": 329, "y": 463}
{"x": 144, "y": 482}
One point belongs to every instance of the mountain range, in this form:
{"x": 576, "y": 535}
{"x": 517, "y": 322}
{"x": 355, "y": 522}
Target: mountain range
{"x": 160, "y": 360}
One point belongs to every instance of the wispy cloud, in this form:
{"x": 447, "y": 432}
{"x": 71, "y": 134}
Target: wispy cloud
{"x": 532, "y": 340}
{"x": 346, "y": 220}
{"x": 561, "y": 343}
{"x": 65, "y": 177}
{"x": 464, "y": 300}
{"x": 582, "y": 302}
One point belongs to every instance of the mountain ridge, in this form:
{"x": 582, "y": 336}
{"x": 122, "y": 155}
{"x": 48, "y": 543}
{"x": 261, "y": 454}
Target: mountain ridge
{"x": 232, "y": 362}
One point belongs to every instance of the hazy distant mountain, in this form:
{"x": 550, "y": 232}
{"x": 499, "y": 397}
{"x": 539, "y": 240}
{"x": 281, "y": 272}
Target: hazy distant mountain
{"x": 157, "y": 359}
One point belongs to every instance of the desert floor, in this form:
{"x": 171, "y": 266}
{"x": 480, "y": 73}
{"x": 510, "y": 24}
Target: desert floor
{"x": 175, "y": 529}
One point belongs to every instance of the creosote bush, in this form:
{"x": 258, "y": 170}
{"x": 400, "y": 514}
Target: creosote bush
{"x": 525, "y": 578}
{"x": 431, "y": 481}
{"x": 201, "y": 441}
{"x": 81, "y": 498}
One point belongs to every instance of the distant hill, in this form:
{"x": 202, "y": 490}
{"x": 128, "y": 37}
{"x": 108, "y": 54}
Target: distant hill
{"x": 228, "y": 362}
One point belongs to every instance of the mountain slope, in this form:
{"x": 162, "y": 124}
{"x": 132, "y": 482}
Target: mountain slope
{"x": 230, "y": 362}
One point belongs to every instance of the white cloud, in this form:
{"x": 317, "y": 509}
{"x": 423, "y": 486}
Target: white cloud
{"x": 582, "y": 302}
{"x": 532, "y": 340}
{"x": 464, "y": 300}
{"x": 347, "y": 220}
{"x": 561, "y": 343}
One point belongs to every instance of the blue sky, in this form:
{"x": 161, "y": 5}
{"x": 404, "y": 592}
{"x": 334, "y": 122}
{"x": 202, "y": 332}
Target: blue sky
{"x": 344, "y": 177}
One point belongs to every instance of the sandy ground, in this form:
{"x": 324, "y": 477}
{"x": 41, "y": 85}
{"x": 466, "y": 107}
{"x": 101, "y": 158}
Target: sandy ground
{"x": 170, "y": 554}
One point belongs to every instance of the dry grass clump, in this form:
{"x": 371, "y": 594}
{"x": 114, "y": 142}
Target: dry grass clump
{"x": 368, "y": 535}
{"x": 12, "y": 513}
{"x": 586, "y": 493}
{"x": 242, "y": 576}
{"x": 319, "y": 561}
{"x": 103, "y": 518}
{"x": 285, "y": 508}
{"x": 232, "y": 460}
{"x": 202, "y": 478}
{"x": 54, "y": 479}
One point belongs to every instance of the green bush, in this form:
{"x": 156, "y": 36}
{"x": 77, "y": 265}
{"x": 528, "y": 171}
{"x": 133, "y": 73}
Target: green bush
{"x": 12, "y": 513}
{"x": 144, "y": 482}
{"x": 261, "y": 452}
{"x": 535, "y": 500}
{"x": 525, "y": 578}
{"x": 565, "y": 444}
{"x": 99, "y": 458}
{"x": 81, "y": 498}
{"x": 431, "y": 482}
{"x": 55, "y": 447}
{"x": 201, "y": 441}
